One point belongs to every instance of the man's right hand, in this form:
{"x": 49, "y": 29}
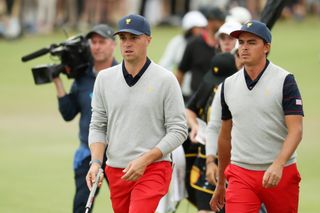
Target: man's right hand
{"x": 218, "y": 198}
{"x": 212, "y": 172}
{"x": 193, "y": 133}
{"x": 91, "y": 176}
{"x": 59, "y": 87}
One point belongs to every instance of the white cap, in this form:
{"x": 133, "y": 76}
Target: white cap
{"x": 239, "y": 14}
{"x": 228, "y": 27}
{"x": 193, "y": 19}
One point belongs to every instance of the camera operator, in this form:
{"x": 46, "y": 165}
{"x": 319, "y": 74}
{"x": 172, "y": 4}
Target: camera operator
{"x": 102, "y": 47}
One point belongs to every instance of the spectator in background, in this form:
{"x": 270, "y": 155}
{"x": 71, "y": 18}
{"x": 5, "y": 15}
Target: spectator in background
{"x": 10, "y": 26}
{"x": 201, "y": 49}
{"x": 193, "y": 23}
{"x": 66, "y": 13}
{"x": 46, "y": 15}
{"x": 253, "y": 6}
{"x": 196, "y": 60}
{"x": 226, "y": 42}
{"x": 238, "y": 14}
{"x": 198, "y": 111}
{"x": 29, "y": 16}
{"x": 296, "y": 9}
{"x": 78, "y": 101}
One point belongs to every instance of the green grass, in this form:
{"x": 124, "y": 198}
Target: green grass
{"x": 37, "y": 146}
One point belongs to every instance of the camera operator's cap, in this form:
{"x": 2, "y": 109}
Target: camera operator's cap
{"x": 101, "y": 29}
{"x": 135, "y": 24}
{"x": 255, "y": 27}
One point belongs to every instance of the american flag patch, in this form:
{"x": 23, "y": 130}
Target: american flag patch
{"x": 298, "y": 102}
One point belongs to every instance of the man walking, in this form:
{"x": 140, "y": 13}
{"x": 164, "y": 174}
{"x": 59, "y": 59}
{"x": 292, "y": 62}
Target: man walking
{"x": 138, "y": 110}
{"x": 262, "y": 126}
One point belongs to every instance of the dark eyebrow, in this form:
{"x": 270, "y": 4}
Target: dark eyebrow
{"x": 249, "y": 40}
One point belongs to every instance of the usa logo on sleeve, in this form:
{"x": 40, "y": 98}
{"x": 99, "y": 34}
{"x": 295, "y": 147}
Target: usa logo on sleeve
{"x": 298, "y": 102}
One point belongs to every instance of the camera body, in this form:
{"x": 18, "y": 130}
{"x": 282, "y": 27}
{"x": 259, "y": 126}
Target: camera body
{"x": 74, "y": 55}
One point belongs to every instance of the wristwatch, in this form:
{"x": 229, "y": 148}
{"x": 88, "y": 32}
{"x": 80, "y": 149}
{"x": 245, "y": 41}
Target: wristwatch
{"x": 95, "y": 161}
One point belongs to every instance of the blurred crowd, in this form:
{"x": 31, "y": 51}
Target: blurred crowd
{"x": 19, "y": 17}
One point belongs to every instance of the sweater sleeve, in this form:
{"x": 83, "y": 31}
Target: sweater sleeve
{"x": 175, "y": 119}
{"x": 292, "y": 101}
{"x": 214, "y": 125}
{"x": 99, "y": 119}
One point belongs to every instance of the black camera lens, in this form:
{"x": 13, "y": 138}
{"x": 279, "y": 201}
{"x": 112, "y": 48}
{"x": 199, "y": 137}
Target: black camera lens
{"x": 41, "y": 74}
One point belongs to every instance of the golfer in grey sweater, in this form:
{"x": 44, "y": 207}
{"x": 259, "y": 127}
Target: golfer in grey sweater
{"x": 138, "y": 111}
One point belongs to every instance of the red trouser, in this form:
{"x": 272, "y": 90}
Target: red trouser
{"x": 142, "y": 195}
{"x": 245, "y": 192}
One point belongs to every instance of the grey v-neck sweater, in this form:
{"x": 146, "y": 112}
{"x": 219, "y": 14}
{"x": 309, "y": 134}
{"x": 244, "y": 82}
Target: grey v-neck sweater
{"x": 134, "y": 120}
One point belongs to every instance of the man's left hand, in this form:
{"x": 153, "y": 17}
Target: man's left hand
{"x": 134, "y": 170}
{"x": 272, "y": 176}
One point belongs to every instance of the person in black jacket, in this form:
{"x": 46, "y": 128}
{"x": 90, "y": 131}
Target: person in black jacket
{"x": 198, "y": 110}
{"x": 78, "y": 101}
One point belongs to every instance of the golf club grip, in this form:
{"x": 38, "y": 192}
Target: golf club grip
{"x": 93, "y": 190}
